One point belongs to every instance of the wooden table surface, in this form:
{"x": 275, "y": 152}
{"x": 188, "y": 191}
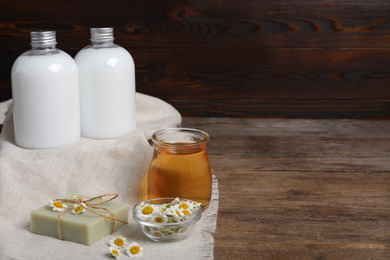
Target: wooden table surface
{"x": 300, "y": 189}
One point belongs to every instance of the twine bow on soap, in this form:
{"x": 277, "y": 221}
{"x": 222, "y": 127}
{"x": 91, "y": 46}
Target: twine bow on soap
{"x": 88, "y": 205}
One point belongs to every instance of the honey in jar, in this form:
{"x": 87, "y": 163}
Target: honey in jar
{"x": 180, "y": 165}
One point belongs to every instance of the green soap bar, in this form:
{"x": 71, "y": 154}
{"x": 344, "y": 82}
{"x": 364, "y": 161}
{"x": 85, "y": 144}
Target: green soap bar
{"x": 86, "y": 228}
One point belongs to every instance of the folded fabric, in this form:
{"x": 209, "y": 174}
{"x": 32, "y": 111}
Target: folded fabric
{"x": 29, "y": 178}
{"x": 3, "y": 109}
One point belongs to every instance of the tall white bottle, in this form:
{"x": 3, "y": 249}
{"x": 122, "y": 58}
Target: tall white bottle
{"x": 107, "y": 87}
{"x": 45, "y": 93}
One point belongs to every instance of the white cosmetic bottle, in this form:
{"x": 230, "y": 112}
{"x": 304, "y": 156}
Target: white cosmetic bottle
{"x": 107, "y": 87}
{"x": 45, "y": 93}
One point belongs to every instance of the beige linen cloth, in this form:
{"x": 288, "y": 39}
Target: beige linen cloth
{"x": 29, "y": 178}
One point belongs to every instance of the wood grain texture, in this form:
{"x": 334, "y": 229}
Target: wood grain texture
{"x": 213, "y": 23}
{"x": 357, "y": 109}
{"x": 300, "y": 189}
{"x": 226, "y": 53}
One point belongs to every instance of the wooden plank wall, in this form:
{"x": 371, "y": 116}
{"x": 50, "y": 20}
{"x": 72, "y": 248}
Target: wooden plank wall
{"x": 240, "y": 58}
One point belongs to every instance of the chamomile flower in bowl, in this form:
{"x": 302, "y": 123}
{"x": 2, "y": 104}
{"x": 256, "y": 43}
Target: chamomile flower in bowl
{"x": 165, "y": 219}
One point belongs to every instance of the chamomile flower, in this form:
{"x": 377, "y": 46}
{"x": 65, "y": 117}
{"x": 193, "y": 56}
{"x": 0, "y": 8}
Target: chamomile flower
{"x": 183, "y": 205}
{"x": 115, "y": 252}
{"x": 196, "y": 205}
{"x": 186, "y": 212}
{"x": 119, "y": 241}
{"x": 160, "y": 218}
{"x": 134, "y": 250}
{"x": 77, "y": 197}
{"x": 77, "y": 209}
{"x": 190, "y": 206}
{"x": 173, "y": 212}
{"x": 176, "y": 201}
{"x": 57, "y": 206}
{"x": 147, "y": 210}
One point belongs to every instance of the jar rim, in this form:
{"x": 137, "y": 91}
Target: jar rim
{"x": 156, "y": 137}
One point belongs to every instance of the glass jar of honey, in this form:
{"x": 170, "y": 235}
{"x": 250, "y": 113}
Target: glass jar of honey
{"x": 180, "y": 165}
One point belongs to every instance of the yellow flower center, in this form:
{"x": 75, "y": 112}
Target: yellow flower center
{"x": 58, "y": 204}
{"x": 119, "y": 242}
{"x": 183, "y": 206}
{"x": 159, "y": 220}
{"x": 78, "y": 209}
{"x": 135, "y": 250}
{"x": 186, "y": 212}
{"x": 147, "y": 210}
{"x": 115, "y": 253}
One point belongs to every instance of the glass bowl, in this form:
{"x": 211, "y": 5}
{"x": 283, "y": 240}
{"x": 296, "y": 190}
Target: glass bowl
{"x": 166, "y": 219}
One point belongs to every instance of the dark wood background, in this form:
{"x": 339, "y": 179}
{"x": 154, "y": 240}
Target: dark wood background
{"x": 239, "y": 58}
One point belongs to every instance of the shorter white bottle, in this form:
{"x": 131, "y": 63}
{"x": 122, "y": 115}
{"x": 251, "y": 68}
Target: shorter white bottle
{"x": 107, "y": 87}
{"x": 45, "y": 93}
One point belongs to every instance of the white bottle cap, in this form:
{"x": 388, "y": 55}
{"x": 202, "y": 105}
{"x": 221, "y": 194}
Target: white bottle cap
{"x": 101, "y": 35}
{"x": 43, "y": 38}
